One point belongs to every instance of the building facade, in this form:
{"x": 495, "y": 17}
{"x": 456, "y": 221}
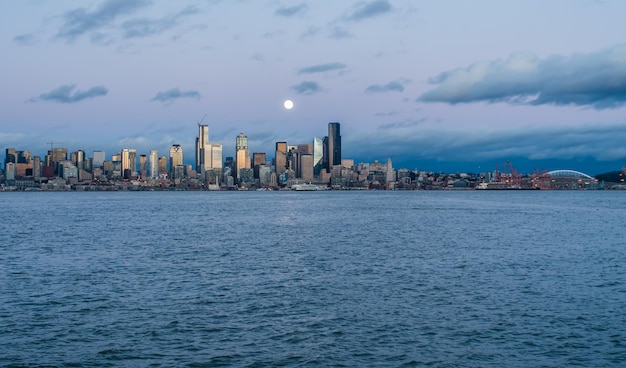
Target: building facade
{"x": 242, "y": 154}
{"x": 203, "y": 149}
{"x": 334, "y": 144}
{"x": 176, "y": 158}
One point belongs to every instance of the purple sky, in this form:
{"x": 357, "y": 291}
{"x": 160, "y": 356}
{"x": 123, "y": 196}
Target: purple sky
{"x": 435, "y": 85}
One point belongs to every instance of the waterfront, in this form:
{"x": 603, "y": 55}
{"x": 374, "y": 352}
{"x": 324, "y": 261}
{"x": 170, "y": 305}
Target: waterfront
{"x": 326, "y": 278}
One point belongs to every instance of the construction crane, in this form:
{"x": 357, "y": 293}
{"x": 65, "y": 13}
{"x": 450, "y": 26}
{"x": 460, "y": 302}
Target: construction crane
{"x": 201, "y": 120}
{"x": 542, "y": 179}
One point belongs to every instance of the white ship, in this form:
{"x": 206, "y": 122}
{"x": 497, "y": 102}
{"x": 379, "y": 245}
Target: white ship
{"x": 307, "y": 187}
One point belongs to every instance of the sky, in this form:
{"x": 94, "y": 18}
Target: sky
{"x": 452, "y": 86}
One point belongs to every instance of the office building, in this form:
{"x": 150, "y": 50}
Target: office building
{"x": 162, "y": 166}
{"x": 176, "y": 158}
{"x": 203, "y": 149}
{"x": 242, "y": 154}
{"x": 318, "y": 155}
{"x": 258, "y": 159}
{"x": 98, "y": 159}
{"x": 78, "y": 158}
{"x": 143, "y": 166}
{"x": 306, "y": 167}
{"x": 154, "y": 164}
{"x": 281, "y": 158}
{"x": 216, "y": 155}
{"x": 334, "y": 144}
{"x": 129, "y": 163}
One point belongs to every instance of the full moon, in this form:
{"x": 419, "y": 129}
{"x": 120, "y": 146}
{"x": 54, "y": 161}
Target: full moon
{"x": 288, "y": 104}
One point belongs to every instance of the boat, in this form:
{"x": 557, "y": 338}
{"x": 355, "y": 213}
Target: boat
{"x": 306, "y": 187}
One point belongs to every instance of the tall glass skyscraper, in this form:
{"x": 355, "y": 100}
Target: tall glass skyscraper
{"x": 242, "y": 153}
{"x": 334, "y": 144}
{"x": 154, "y": 164}
{"x": 203, "y": 150}
{"x": 129, "y": 162}
{"x": 318, "y": 155}
{"x": 280, "y": 159}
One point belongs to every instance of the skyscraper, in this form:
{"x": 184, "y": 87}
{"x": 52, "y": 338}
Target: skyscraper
{"x": 129, "y": 163}
{"x": 203, "y": 149}
{"x": 281, "y": 158}
{"x": 334, "y": 144}
{"x": 154, "y": 164}
{"x": 242, "y": 154}
{"x": 216, "y": 155}
{"x": 176, "y": 158}
{"x": 318, "y": 155}
{"x": 143, "y": 167}
{"x": 258, "y": 159}
{"x": 162, "y": 165}
{"x": 98, "y": 158}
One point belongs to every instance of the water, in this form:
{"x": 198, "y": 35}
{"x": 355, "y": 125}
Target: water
{"x": 255, "y": 279}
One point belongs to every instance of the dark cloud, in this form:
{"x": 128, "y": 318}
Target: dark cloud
{"x": 590, "y": 148}
{"x": 595, "y": 79}
{"x": 173, "y": 94}
{"x": 321, "y": 68}
{"x": 25, "y": 39}
{"x": 291, "y": 10}
{"x": 368, "y": 10}
{"x": 66, "y": 94}
{"x": 306, "y": 88}
{"x": 389, "y": 87}
{"x": 148, "y": 27}
{"x": 80, "y": 21}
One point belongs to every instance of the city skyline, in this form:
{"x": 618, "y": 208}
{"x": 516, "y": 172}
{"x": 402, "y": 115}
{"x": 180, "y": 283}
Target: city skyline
{"x": 453, "y": 87}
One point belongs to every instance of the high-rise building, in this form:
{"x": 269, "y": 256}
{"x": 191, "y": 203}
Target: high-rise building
{"x": 98, "y": 158}
{"x": 258, "y": 159}
{"x": 334, "y": 144}
{"x": 176, "y": 157}
{"x": 318, "y": 155}
{"x": 129, "y": 163}
{"x": 143, "y": 167}
{"x": 390, "y": 174}
{"x": 281, "y": 158}
{"x": 306, "y": 167}
{"x": 242, "y": 153}
{"x": 203, "y": 149}
{"x": 162, "y": 166}
{"x": 154, "y": 164}
{"x": 216, "y": 155}
{"x": 78, "y": 158}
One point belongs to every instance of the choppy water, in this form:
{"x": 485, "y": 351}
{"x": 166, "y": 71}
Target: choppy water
{"x": 442, "y": 279}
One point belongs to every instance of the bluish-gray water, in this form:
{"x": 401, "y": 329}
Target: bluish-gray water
{"x": 442, "y": 279}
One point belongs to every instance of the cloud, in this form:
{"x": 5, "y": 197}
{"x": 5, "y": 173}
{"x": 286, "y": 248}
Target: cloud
{"x": 595, "y": 79}
{"x": 310, "y": 31}
{"x": 389, "y": 87}
{"x": 173, "y": 94}
{"x": 321, "y": 68}
{"x": 306, "y": 88}
{"x": 148, "y": 27}
{"x": 592, "y": 148}
{"x": 290, "y": 11}
{"x": 25, "y": 39}
{"x": 339, "y": 33}
{"x": 65, "y": 94}
{"x": 368, "y": 10}
{"x": 79, "y": 21}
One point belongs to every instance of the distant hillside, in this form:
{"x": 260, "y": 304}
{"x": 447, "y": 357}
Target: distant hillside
{"x": 610, "y": 177}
